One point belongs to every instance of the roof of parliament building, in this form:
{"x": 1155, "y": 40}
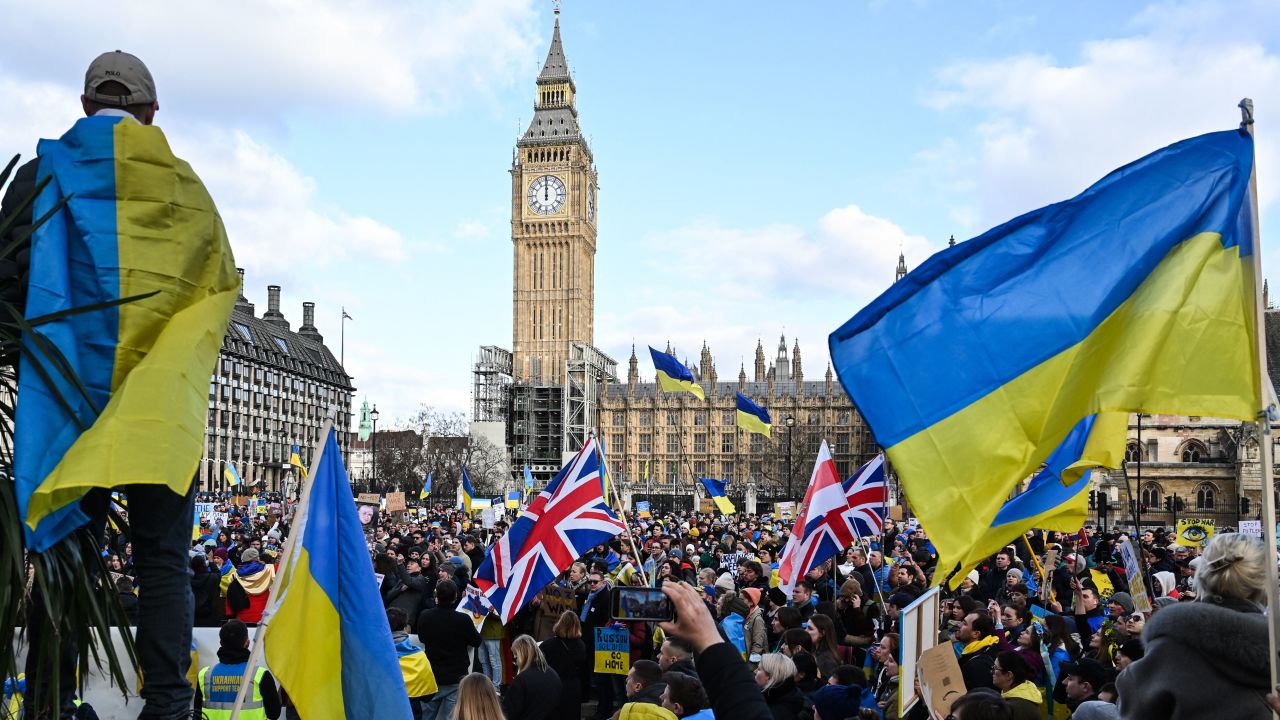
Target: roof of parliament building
{"x": 270, "y": 340}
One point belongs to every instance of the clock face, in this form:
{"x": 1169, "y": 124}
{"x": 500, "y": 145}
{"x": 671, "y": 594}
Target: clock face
{"x": 591, "y": 203}
{"x": 546, "y": 195}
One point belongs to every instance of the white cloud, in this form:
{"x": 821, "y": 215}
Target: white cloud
{"x": 273, "y": 55}
{"x": 1047, "y": 129}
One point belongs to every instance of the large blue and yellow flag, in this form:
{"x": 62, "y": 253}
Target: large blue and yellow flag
{"x": 752, "y": 417}
{"x": 138, "y": 224}
{"x": 1136, "y": 296}
{"x": 672, "y": 376}
{"x": 715, "y": 490}
{"x": 328, "y": 641}
{"x": 468, "y": 492}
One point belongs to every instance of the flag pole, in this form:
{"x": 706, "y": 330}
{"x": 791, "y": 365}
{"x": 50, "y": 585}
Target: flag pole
{"x": 286, "y": 556}
{"x": 1267, "y": 412}
{"x": 622, "y": 512}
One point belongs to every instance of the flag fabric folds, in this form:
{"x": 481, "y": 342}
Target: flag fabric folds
{"x": 468, "y": 492}
{"x": 137, "y": 225}
{"x": 715, "y": 490}
{"x": 426, "y": 487}
{"x": 231, "y": 475}
{"x": 513, "y": 499}
{"x": 752, "y": 417}
{"x": 528, "y": 478}
{"x": 821, "y": 529}
{"x": 1136, "y": 296}
{"x": 673, "y": 376}
{"x": 566, "y": 520}
{"x": 867, "y": 494}
{"x": 295, "y": 459}
{"x": 328, "y": 641}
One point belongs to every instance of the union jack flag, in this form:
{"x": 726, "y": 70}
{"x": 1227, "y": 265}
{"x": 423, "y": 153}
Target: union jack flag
{"x": 565, "y": 521}
{"x": 822, "y": 528}
{"x": 867, "y": 493}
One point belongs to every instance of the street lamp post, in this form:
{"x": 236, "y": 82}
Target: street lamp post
{"x": 791, "y": 424}
{"x": 374, "y": 417}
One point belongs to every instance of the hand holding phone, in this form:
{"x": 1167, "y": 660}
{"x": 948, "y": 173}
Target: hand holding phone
{"x": 640, "y": 604}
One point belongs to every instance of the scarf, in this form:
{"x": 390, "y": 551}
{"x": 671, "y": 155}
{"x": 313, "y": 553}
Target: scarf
{"x": 978, "y": 645}
{"x": 1027, "y": 690}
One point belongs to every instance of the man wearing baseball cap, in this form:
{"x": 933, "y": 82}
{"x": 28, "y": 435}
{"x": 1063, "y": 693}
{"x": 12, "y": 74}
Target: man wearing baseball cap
{"x": 119, "y": 98}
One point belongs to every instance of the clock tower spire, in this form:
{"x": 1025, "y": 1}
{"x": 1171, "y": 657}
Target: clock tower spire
{"x": 553, "y": 227}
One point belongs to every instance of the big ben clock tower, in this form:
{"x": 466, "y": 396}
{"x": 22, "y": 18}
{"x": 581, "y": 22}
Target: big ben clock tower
{"x": 554, "y": 201}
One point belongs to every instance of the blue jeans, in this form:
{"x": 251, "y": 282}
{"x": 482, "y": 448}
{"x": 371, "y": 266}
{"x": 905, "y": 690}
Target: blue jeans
{"x": 160, "y": 522}
{"x": 440, "y": 706}
{"x": 491, "y": 660}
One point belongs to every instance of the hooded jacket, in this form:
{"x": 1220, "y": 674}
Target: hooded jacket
{"x": 1202, "y": 660}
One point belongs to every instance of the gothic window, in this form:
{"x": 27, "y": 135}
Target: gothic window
{"x": 842, "y": 444}
{"x": 1193, "y": 451}
{"x": 844, "y": 418}
{"x": 646, "y": 418}
{"x": 673, "y": 418}
{"x": 618, "y": 444}
{"x": 673, "y": 470}
{"x": 700, "y": 468}
{"x": 1205, "y": 496}
{"x": 646, "y": 443}
{"x": 815, "y": 417}
{"x": 757, "y": 443}
{"x": 1131, "y": 452}
{"x": 757, "y": 469}
{"x": 700, "y": 418}
{"x": 1152, "y": 496}
{"x": 619, "y": 419}
{"x": 726, "y": 470}
{"x": 726, "y": 442}
{"x": 673, "y": 443}
{"x": 700, "y": 442}
{"x": 729, "y": 418}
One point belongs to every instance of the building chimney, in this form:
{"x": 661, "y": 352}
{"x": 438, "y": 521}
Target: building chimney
{"x": 273, "y": 314}
{"x": 242, "y": 303}
{"x": 308, "y": 328}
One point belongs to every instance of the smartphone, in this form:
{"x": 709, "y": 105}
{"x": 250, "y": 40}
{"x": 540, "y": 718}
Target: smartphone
{"x": 640, "y": 603}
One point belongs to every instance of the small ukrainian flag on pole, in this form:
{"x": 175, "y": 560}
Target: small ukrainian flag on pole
{"x": 752, "y": 417}
{"x": 233, "y": 477}
{"x": 674, "y": 377}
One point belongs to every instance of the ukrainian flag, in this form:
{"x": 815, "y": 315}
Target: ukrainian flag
{"x": 328, "y": 641}
{"x": 232, "y": 476}
{"x": 715, "y": 490}
{"x": 295, "y": 459}
{"x": 468, "y": 492}
{"x": 752, "y": 417}
{"x": 140, "y": 242}
{"x": 426, "y": 488}
{"x": 1136, "y": 296}
{"x": 672, "y": 376}
{"x": 513, "y": 499}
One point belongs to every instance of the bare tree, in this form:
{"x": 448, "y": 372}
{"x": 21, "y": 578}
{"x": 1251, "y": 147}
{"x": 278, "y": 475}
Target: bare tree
{"x": 448, "y": 446}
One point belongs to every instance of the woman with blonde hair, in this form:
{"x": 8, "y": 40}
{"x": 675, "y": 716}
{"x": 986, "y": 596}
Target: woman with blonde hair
{"x": 1208, "y": 658}
{"x": 534, "y": 694}
{"x": 776, "y": 678}
{"x": 477, "y": 699}
{"x": 566, "y": 654}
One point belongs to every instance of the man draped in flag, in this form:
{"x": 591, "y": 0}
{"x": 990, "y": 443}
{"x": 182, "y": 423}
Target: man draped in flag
{"x": 328, "y": 641}
{"x": 822, "y": 528}
{"x": 673, "y": 376}
{"x": 867, "y": 493}
{"x": 564, "y": 522}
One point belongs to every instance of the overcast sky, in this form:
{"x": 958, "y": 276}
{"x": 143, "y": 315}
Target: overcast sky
{"x": 761, "y": 163}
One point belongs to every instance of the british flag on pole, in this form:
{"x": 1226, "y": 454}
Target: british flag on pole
{"x": 566, "y": 520}
{"x": 867, "y": 493}
{"x": 822, "y": 528}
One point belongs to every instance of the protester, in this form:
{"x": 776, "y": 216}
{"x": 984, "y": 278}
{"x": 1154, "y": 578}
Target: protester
{"x": 644, "y": 683}
{"x": 419, "y": 678}
{"x": 534, "y": 693}
{"x": 218, "y": 685}
{"x": 1011, "y": 675}
{"x": 249, "y": 591}
{"x": 566, "y": 655}
{"x": 776, "y": 678}
{"x": 447, "y": 635}
{"x": 475, "y": 699}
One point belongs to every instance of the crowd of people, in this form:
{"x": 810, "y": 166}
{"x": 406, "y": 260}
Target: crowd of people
{"x": 1031, "y": 641}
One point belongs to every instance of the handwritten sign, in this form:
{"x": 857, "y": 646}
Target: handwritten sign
{"x": 395, "y": 502}
{"x": 1252, "y": 528}
{"x": 1133, "y": 571}
{"x": 1194, "y": 532}
{"x": 369, "y": 498}
{"x": 642, "y": 509}
{"x": 941, "y": 682}
{"x": 785, "y": 509}
{"x": 613, "y": 651}
{"x": 557, "y": 599}
{"x": 204, "y": 509}
{"x": 474, "y": 605}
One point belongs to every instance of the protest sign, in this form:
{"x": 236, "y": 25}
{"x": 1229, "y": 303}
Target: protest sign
{"x": 1102, "y": 581}
{"x": 1133, "y": 571}
{"x": 395, "y": 502}
{"x": 474, "y": 605}
{"x": 377, "y": 580}
{"x": 642, "y": 509}
{"x": 1252, "y": 528}
{"x": 488, "y": 518}
{"x": 613, "y": 651}
{"x": 557, "y": 599}
{"x": 1194, "y": 532}
{"x": 941, "y": 683}
{"x": 204, "y": 509}
{"x": 785, "y": 509}
{"x": 369, "y": 498}
{"x": 919, "y": 632}
{"x": 706, "y": 506}
{"x": 729, "y": 561}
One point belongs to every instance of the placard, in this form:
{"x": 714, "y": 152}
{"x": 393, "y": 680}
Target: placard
{"x": 556, "y": 599}
{"x": 729, "y": 561}
{"x": 207, "y": 509}
{"x": 1133, "y": 571}
{"x": 706, "y": 506}
{"x": 1194, "y": 532}
{"x": 941, "y": 682}
{"x": 896, "y": 513}
{"x": 786, "y": 509}
{"x": 395, "y": 502}
{"x": 488, "y": 518}
{"x": 642, "y": 509}
{"x": 474, "y": 605}
{"x": 369, "y": 498}
{"x": 613, "y": 651}
{"x": 1252, "y": 528}
{"x": 919, "y": 632}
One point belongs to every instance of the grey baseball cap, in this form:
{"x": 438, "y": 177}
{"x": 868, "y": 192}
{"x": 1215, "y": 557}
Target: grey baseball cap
{"x": 125, "y": 69}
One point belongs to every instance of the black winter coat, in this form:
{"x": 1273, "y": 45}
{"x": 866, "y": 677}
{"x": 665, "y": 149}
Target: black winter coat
{"x": 210, "y": 608}
{"x": 533, "y": 695}
{"x": 785, "y": 700}
{"x": 730, "y": 684}
{"x": 567, "y": 658}
{"x": 446, "y": 634}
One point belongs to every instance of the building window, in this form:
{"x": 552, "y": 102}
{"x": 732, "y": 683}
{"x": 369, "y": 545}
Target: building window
{"x": 700, "y": 443}
{"x": 842, "y": 444}
{"x": 729, "y": 419}
{"x": 1131, "y": 452}
{"x": 844, "y": 418}
{"x": 1205, "y": 496}
{"x": 673, "y": 442}
{"x": 700, "y": 418}
{"x": 646, "y": 443}
{"x": 619, "y": 419}
{"x": 673, "y": 418}
{"x": 1152, "y": 496}
{"x": 726, "y": 470}
{"x": 700, "y": 468}
{"x": 726, "y": 442}
{"x": 757, "y": 470}
{"x": 757, "y": 443}
{"x": 646, "y": 418}
{"x": 1193, "y": 451}
{"x": 815, "y": 417}
{"x": 673, "y": 470}
{"x": 617, "y": 444}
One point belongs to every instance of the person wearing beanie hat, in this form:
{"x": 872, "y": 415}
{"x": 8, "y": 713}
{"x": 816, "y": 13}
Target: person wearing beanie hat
{"x": 1096, "y": 710}
{"x": 755, "y": 629}
{"x": 1120, "y": 604}
{"x": 725, "y": 583}
{"x": 247, "y": 594}
{"x": 834, "y": 702}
